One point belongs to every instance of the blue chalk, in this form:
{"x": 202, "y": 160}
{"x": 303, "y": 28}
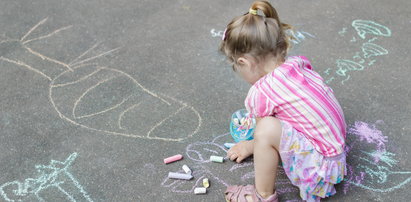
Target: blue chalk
{"x": 229, "y": 145}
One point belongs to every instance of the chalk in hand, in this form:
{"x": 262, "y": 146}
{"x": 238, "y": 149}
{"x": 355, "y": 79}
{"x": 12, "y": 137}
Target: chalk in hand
{"x": 218, "y": 159}
{"x": 200, "y": 190}
{"x": 186, "y": 169}
{"x": 229, "y": 145}
{"x": 173, "y": 158}
{"x": 180, "y": 176}
{"x": 206, "y": 184}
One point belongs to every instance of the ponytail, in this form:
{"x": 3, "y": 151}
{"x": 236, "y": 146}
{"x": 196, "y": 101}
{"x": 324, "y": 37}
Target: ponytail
{"x": 256, "y": 34}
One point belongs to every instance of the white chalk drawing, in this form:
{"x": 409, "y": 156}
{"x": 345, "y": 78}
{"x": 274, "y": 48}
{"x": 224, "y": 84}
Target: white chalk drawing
{"x": 217, "y": 33}
{"x": 368, "y": 168}
{"x": 53, "y": 178}
{"x": 369, "y": 50}
{"x": 101, "y": 98}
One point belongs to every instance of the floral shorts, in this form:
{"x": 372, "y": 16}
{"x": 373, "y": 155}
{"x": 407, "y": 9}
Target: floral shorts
{"x": 314, "y": 174}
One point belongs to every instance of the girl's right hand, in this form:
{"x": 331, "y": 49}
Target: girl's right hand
{"x": 241, "y": 151}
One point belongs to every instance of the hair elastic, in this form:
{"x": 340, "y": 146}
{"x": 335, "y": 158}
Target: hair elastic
{"x": 252, "y": 11}
{"x": 223, "y": 38}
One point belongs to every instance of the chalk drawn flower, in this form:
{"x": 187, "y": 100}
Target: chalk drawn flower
{"x": 101, "y": 98}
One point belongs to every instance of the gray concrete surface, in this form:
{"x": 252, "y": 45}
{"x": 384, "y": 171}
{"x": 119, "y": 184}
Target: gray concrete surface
{"x": 95, "y": 94}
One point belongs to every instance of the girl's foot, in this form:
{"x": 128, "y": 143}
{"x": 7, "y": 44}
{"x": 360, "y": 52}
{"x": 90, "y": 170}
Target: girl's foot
{"x": 246, "y": 194}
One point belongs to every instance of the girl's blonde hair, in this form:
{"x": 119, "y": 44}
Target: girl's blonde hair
{"x": 255, "y": 34}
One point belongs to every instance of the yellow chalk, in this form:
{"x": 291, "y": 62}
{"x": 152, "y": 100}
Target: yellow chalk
{"x": 206, "y": 184}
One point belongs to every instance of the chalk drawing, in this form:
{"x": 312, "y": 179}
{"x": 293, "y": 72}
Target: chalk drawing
{"x": 374, "y": 169}
{"x": 298, "y": 36}
{"x": 369, "y": 50}
{"x": 369, "y": 165}
{"x": 84, "y": 93}
{"x": 217, "y": 33}
{"x": 52, "y": 178}
{"x": 364, "y": 27}
{"x": 343, "y": 31}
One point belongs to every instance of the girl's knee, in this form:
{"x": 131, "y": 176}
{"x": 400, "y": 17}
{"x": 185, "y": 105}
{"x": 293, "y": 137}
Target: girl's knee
{"x": 268, "y": 129}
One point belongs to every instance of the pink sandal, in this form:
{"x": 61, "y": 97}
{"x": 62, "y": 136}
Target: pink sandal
{"x": 238, "y": 194}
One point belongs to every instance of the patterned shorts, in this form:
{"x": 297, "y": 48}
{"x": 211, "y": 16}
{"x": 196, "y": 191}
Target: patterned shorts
{"x": 314, "y": 174}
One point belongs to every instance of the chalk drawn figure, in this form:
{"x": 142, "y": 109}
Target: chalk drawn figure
{"x": 375, "y": 169}
{"x": 372, "y": 50}
{"x": 364, "y": 27}
{"x": 369, "y": 49}
{"x": 53, "y": 178}
{"x": 101, "y": 98}
{"x": 345, "y": 66}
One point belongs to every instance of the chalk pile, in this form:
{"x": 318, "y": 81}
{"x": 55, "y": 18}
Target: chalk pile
{"x": 187, "y": 175}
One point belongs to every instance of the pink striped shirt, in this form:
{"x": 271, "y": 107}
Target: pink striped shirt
{"x": 295, "y": 93}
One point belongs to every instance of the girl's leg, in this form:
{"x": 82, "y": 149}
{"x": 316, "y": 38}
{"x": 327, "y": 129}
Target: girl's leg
{"x": 267, "y": 138}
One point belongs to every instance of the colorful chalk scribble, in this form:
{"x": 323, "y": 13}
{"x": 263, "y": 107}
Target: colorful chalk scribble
{"x": 362, "y": 59}
{"x": 370, "y": 165}
{"x": 54, "y": 178}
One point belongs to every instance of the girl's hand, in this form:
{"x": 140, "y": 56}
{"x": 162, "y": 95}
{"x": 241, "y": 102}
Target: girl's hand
{"x": 241, "y": 151}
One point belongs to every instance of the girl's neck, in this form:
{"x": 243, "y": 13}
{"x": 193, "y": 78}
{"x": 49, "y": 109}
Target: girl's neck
{"x": 270, "y": 63}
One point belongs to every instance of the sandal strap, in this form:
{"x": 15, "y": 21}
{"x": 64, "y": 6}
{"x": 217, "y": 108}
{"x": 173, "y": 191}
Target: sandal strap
{"x": 239, "y": 193}
{"x": 272, "y": 198}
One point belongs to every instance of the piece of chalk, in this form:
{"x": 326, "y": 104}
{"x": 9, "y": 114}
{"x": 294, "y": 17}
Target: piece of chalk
{"x": 206, "y": 183}
{"x": 180, "y": 176}
{"x": 218, "y": 159}
{"x": 186, "y": 169}
{"x": 173, "y": 158}
{"x": 229, "y": 145}
{"x": 242, "y": 121}
{"x": 200, "y": 190}
{"x": 238, "y": 114}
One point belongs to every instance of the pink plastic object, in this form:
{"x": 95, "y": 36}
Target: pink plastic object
{"x": 173, "y": 158}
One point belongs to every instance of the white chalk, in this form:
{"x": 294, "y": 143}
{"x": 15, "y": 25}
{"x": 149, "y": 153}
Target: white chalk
{"x": 200, "y": 190}
{"x": 186, "y": 169}
{"x": 180, "y": 176}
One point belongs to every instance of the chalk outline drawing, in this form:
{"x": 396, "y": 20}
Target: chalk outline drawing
{"x": 374, "y": 168}
{"x": 54, "y": 175}
{"x": 80, "y": 62}
{"x": 369, "y": 49}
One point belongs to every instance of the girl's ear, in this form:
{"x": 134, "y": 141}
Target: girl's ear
{"x": 244, "y": 62}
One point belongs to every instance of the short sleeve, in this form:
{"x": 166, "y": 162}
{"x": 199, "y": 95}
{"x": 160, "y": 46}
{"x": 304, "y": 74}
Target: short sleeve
{"x": 258, "y": 104}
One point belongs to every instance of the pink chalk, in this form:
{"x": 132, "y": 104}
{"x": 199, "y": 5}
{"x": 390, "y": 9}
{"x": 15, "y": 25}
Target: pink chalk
{"x": 173, "y": 158}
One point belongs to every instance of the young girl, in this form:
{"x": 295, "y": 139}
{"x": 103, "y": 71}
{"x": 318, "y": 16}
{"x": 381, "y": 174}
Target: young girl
{"x": 299, "y": 120}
